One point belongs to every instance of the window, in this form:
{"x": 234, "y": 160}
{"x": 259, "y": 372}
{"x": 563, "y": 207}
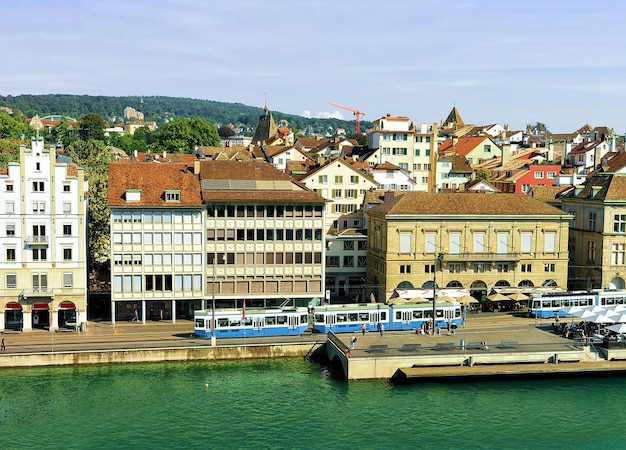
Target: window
{"x": 527, "y": 267}
{"x": 479, "y": 267}
{"x": 354, "y": 179}
{"x": 67, "y": 230}
{"x": 67, "y": 254}
{"x": 405, "y": 268}
{"x": 549, "y": 267}
{"x": 10, "y": 252}
{"x": 592, "y": 221}
{"x": 591, "y": 251}
{"x": 10, "y": 207}
{"x": 39, "y": 207}
{"x": 430, "y": 242}
{"x": 67, "y": 207}
{"x": 487, "y": 148}
{"x": 538, "y": 174}
{"x": 455, "y": 243}
{"x": 332, "y": 261}
{"x": 551, "y": 174}
{"x": 454, "y": 268}
{"x": 172, "y": 196}
{"x": 338, "y": 179}
{"x": 336, "y": 193}
{"x": 503, "y": 242}
{"x": 8, "y": 187}
{"x": 66, "y": 188}
{"x": 10, "y": 230}
{"x": 479, "y": 242}
{"x": 68, "y": 280}
{"x": 362, "y": 245}
{"x": 619, "y": 223}
{"x": 11, "y": 280}
{"x": 429, "y": 268}
{"x": 348, "y": 261}
{"x": 526, "y": 242}
{"x": 617, "y": 253}
{"x": 323, "y": 179}
{"x": 405, "y": 242}
{"x": 525, "y": 188}
{"x": 361, "y": 261}
{"x": 549, "y": 242}
{"x": 348, "y": 245}
{"x": 38, "y": 186}
{"x": 40, "y": 254}
{"x": 502, "y": 268}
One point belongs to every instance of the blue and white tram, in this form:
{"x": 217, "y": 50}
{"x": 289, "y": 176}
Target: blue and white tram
{"x": 263, "y": 322}
{"x": 402, "y": 316}
{"x": 545, "y": 306}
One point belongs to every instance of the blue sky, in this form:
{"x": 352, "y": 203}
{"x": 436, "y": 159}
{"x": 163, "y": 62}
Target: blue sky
{"x": 511, "y": 62}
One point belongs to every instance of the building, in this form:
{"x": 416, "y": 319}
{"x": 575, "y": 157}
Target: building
{"x": 157, "y": 241}
{"x": 486, "y": 241}
{"x": 43, "y": 220}
{"x": 597, "y": 240}
{"x": 265, "y": 238}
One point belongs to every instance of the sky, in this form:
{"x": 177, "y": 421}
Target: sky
{"x": 498, "y": 61}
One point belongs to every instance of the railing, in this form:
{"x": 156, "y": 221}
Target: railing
{"x": 477, "y": 257}
{"x": 38, "y": 292}
{"x": 37, "y": 240}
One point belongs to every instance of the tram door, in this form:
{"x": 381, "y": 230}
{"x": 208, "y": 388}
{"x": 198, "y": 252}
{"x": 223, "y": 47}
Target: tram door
{"x": 406, "y": 317}
{"x": 330, "y": 321}
{"x": 448, "y": 314}
{"x": 374, "y": 320}
{"x": 293, "y": 322}
{"x": 257, "y": 323}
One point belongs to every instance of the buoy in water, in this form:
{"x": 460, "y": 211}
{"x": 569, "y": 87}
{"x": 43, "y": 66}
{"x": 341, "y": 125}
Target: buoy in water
{"x": 206, "y": 385}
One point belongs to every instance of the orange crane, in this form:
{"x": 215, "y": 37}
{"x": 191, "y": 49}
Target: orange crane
{"x": 356, "y": 113}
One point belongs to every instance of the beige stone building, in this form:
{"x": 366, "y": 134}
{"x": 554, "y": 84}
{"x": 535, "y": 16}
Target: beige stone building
{"x": 597, "y": 240}
{"x": 43, "y": 220}
{"x": 485, "y": 241}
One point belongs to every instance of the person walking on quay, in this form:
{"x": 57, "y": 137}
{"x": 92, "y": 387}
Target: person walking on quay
{"x": 352, "y": 341}
{"x": 363, "y": 329}
{"x": 3, "y": 346}
{"x": 381, "y": 328}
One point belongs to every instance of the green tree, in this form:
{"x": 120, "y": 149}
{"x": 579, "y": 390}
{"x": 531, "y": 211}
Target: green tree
{"x": 92, "y": 127}
{"x": 14, "y": 127}
{"x": 9, "y": 152}
{"x": 63, "y": 133}
{"x": 483, "y": 174}
{"x": 183, "y": 135}
{"x": 94, "y": 156}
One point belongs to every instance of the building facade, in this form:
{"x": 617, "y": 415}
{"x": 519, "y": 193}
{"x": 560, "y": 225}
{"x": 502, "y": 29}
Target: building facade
{"x": 43, "y": 220}
{"x": 157, "y": 241}
{"x": 476, "y": 241}
{"x": 597, "y": 240}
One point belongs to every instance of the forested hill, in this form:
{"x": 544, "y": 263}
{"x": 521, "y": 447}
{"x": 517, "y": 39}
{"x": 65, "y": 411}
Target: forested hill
{"x": 159, "y": 108}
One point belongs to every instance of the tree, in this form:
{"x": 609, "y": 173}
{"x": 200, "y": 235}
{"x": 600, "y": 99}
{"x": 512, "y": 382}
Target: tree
{"x": 92, "y": 127}
{"x": 225, "y": 132}
{"x": 9, "y": 152}
{"x": 95, "y": 157}
{"x": 183, "y": 135}
{"x": 63, "y": 133}
{"x": 14, "y": 127}
{"x": 483, "y": 174}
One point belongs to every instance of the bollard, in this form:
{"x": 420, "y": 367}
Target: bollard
{"x": 462, "y": 344}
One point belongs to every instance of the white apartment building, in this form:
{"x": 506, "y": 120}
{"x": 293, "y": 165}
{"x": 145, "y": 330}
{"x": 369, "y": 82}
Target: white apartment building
{"x": 412, "y": 148}
{"x": 43, "y": 220}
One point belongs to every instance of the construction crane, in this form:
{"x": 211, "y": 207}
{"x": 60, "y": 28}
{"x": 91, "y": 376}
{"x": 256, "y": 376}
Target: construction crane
{"x": 356, "y": 113}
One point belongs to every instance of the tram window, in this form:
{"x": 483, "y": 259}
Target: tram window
{"x": 270, "y": 320}
{"x": 439, "y": 313}
{"x": 457, "y": 313}
{"x": 556, "y": 303}
{"x": 247, "y": 321}
{"x": 536, "y": 304}
{"x": 281, "y": 320}
{"x": 364, "y": 316}
{"x": 341, "y": 317}
{"x": 319, "y": 318}
{"x": 417, "y": 314}
{"x": 222, "y": 322}
{"x": 428, "y": 314}
{"x": 398, "y": 314}
{"x": 235, "y": 323}
{"x": 383, "y": 316}
{"x": 303, "y": 318}
{"x": 199, "y": 323}
{"x": 353, "y": 317}
{"x": 610, "y": 301}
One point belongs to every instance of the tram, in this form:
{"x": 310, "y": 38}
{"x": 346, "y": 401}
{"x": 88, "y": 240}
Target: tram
{"x": 401, "y": 316}
{"x": 233, "y": 323}
{"x": 546, "y": 305}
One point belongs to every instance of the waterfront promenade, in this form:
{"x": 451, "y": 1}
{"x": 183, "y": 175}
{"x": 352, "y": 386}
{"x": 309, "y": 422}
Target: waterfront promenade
{"x": 440, "y": 355}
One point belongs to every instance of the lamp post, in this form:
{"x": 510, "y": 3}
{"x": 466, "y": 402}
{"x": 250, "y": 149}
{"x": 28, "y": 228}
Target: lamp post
{"x": 438, "y": 257}
{"x": 213, "y": 338}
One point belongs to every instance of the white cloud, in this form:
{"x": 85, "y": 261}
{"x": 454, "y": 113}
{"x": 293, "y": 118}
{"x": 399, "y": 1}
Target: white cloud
{"x": 306, "y": 113}
{"x": 330, "y": 115}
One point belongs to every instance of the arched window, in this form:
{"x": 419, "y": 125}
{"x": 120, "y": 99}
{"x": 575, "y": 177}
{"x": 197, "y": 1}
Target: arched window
{"x": 405, "y": 285}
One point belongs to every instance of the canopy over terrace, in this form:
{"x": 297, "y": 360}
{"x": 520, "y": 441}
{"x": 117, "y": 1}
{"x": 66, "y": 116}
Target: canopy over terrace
{"x": 408, "y": 294}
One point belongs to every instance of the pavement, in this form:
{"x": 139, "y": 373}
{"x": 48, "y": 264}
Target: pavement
{"x": 492, "y": 328}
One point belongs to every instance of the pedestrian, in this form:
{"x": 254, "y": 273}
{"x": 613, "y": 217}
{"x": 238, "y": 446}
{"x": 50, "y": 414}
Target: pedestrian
{"x": 3, "y": 347}
{"x": 381, "y": 328}
{"x": 363, "y": 329}
{"x": 448, "y": 325}
{"x": 352, "y": 341}
{"x": 453, "y": 327}
{"x": 136, "y": 316}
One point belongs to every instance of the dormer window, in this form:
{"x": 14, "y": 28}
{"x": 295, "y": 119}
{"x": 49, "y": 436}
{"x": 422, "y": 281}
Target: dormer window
{"x": 133, "y": 195}
{"x": 172, "y": 196}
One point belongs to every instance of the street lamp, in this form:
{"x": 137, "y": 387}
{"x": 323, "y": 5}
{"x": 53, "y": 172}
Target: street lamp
{"x": 438, "y": 257}
{"x": 213, "y": 337}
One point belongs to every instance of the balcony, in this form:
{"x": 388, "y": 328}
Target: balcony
{"x": 37, "y": 240}
{"x": 42, "y": 292}
{"x": 481, "y": 257}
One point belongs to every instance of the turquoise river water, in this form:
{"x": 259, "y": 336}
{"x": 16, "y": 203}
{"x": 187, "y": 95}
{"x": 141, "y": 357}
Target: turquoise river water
{"x": 291, "y": 403}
